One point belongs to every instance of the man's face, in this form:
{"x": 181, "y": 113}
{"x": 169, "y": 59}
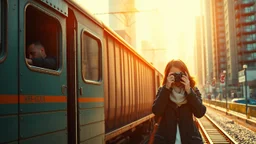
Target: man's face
{"x": 34, "y": 52}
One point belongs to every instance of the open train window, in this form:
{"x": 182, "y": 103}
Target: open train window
{"x": 43, "y": 39}
{"x": 91, "y": 57}
{"x": 3, "y": 21}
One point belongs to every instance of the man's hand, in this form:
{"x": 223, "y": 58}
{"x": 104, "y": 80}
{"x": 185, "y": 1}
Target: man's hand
{"x": 29, "y": 61}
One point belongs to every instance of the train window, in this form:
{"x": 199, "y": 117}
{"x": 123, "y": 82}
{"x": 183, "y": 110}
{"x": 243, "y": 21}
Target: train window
{"x": 43, "y": 39}
{"x": 91, "y": 57}
{"x": 2, "y": 28}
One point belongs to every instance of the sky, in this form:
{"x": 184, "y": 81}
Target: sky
{"x": 178, "y": 16}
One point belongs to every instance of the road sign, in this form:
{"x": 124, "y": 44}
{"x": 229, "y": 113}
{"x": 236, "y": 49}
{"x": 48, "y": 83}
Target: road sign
{"x": 213, "y": 83}
{"x": 241, "y": 76}
{"x": 222, "y": 78}
{"x": 241, "y": 79}
{"x": 241, "y": 73}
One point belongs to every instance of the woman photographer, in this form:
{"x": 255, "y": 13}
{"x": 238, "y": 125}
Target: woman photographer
{"x": 176, "y": 103}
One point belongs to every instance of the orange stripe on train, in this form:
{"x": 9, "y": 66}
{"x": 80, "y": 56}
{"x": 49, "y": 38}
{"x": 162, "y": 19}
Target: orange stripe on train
{"x": 42, "y": 99}
{"x": 91, "y": 99}
{"x": 26, "y": 99}
{"x": 8, "y": 99}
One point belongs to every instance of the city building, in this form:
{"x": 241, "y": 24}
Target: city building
{"x": 231, "y": 48}
{"x": 233, "y": 33}
{"x": 200, "y": 55}
{"x": 215, "y": 44}
{"x": 219, "y": 38}
{"x": 245, "y": 24}
{"x": 208, "y": 47}
{"x": 246, "y": 32}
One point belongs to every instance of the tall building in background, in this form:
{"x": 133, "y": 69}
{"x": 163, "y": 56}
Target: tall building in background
{"x": 200, "y": 54}
{"x": 231, "y": 47}
{"x": 246, "y": 42}
{"x": 246, "y": 32}
{"x": 206, "y": 12}
{"x": 233, "y": 31}
{"x": 122, "y": 21}
{"x": 218, "y": 39}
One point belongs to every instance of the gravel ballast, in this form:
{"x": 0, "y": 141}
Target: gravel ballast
{"x": 239, "y": 133}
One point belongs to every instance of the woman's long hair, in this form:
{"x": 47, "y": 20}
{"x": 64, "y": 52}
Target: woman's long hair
{"x": 180, "y": 65}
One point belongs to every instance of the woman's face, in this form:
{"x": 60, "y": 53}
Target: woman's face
{"x": 174, "y": 70}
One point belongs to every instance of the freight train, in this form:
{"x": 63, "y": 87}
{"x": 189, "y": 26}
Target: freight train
{"x": 101, "y": 91}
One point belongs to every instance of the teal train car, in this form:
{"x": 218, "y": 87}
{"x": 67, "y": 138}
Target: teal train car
{"x": 101, "y": 90}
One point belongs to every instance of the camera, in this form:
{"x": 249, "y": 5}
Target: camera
{"x": 178, "y": 76}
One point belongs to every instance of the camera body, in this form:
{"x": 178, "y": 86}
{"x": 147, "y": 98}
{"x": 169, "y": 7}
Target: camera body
{"x": 178, "y": 76}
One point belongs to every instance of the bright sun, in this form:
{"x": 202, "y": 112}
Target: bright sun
{"x": 178, "y": 19}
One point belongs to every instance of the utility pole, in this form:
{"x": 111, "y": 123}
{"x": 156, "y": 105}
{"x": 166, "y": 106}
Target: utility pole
{"x": 126, "y": 17}
{"x": 125, "y": 12}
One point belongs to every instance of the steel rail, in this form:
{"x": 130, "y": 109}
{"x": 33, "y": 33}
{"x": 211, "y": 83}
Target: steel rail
{"x": 212, "y": 132}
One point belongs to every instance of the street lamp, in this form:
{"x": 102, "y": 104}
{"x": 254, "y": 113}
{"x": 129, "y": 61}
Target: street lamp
{"x": 245, "y": 85}
{"x": 224, "y": 72}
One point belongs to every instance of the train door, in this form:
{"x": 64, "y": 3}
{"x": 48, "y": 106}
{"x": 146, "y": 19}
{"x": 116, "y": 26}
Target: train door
{"x": 8, "y": 71}
{"x": 72, "y": 77}
{"x": 42, "y": 72}
{"x": 90, "y": 84}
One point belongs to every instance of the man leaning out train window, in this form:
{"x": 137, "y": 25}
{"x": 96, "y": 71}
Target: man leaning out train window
{"x": 38, "y": 57}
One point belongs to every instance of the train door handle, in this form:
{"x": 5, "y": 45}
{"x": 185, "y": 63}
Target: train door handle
{"x": 81, "y": 91}
{"x": 64, "y": 89}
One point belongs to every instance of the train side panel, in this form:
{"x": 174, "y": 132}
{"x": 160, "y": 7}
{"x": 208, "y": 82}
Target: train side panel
{"x": 90, "y": 80}
{"x": 42, "y": 91}
{"x": 129, "y": 86}
{"x": 9, "y": 72}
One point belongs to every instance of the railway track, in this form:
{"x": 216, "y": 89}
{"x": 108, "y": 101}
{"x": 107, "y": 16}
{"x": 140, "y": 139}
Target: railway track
{"x": 212, "y": 133}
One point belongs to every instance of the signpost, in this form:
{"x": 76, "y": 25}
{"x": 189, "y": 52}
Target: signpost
{"x": 241, "y": 76}
{"x": 222, "y": 78}
{"x": 222, "y": 81}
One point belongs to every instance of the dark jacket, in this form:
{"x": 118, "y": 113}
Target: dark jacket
{"x": 48, "y": 62}
{"x": 172, "y": 114}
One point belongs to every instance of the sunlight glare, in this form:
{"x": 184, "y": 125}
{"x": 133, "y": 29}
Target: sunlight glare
{"x": 178, "y": 19}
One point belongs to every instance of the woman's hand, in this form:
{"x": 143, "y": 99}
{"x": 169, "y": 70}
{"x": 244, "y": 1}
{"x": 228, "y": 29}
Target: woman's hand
{"x": 170, "y": 80}
{"x": 186, "y": 82}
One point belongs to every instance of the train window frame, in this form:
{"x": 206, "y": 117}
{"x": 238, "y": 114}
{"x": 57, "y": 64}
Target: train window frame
{"x": 100, "y": 52}
{"x": 3, "y": 31}
{"x": 59, "y": 39}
